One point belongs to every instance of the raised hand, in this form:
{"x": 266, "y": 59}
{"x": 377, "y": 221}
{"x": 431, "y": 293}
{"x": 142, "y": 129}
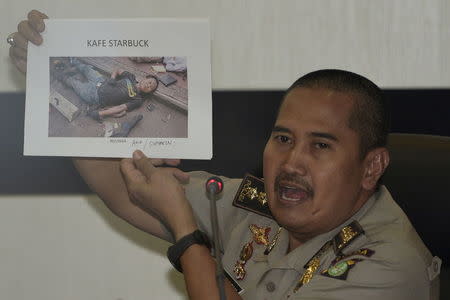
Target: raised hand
{"x": 27, "y": 30}
{"x": 159, "y": 192}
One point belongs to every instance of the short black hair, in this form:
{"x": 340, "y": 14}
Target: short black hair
{"x": 370, "y": 116}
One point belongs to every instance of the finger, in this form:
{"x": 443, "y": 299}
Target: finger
{"x": 36, "y": 12}
{"x": 130, "y": 173}
{"x": 20, "y": 64}
{"x": 18, "y": 53}
{"x": 143, "y": 164}
{"x": 20, "y": 41}
{"x": 29, "y": 33}
{"x": 157, "y": 161}
{"x": 172, "y": 162}
{"x": 35, "y": 18}
{"x": 181, "y": 176}
{"x": 165, "y": 161}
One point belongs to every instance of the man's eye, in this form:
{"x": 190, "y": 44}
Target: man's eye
{"x": 283, "y": 139}
{"x": 322, "y": 145}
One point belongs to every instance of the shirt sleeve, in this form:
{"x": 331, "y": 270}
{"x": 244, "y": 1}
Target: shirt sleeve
{"x": 134, "y": 104}
{"x": 228, "y": 215}
{"x": 128, "y": 75}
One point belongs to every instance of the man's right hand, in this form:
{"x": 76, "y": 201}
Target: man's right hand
{"x": 27, "y": 30}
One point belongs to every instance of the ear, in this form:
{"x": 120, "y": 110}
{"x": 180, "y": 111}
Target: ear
{"x": 376, "y": 162}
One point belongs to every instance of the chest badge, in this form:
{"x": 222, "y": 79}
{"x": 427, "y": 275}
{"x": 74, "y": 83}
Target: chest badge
{"x": 338, "y": 269}
{"x": 244, "y": 256}
{"x": 260, "y": 234}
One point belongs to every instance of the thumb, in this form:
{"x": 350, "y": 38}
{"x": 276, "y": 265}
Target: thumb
{"x": 143, "y": 164}
{"x": 181, "y": 176}
{"x": 130, "y": 174}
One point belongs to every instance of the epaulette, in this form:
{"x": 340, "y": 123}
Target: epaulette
{"x": 339, "y": 267}
{"x": 346, "y": 236}
{"x": 342, "y": 264}
{"x": 252, "y": 197}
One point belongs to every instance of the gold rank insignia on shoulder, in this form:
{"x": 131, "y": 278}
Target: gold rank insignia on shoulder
{"x": 346, "y": 236}
{"x": 251, "y": 196}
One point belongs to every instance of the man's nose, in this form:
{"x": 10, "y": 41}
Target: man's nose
{"x": 296, "y": 160}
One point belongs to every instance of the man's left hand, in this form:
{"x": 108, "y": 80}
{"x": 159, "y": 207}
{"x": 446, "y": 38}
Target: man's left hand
{"x": 158, "y": 191}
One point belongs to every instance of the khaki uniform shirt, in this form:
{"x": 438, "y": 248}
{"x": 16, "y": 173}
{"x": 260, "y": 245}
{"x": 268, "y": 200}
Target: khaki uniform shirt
{"x": 396, "y": 265}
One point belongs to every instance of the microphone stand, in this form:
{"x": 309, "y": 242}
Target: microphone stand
{"x": 220, "y": 277}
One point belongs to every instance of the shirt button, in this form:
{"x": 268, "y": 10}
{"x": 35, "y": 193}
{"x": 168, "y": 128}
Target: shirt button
{"x": 270, "y": 286}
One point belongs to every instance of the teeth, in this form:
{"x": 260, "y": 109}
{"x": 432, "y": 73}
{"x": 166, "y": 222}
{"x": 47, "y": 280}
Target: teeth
{"x": 292, "y": 193}
{"x": 289, "y": 199}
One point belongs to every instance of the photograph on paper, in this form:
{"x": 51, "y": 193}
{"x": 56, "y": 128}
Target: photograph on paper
{"x": 118, "y": 97}
{"x": 104, "y": 88}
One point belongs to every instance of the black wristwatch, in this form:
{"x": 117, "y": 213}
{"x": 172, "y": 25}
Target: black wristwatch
{"x": 176, "y": 250}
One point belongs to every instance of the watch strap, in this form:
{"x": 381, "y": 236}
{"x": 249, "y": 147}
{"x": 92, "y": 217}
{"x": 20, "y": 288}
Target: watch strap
{"x": 175, "y": 251}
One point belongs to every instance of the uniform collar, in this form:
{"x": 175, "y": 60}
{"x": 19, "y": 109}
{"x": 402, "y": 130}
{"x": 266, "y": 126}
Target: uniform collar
{"x": 297, "y": 258}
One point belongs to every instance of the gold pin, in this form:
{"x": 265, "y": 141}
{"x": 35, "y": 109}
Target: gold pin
{"x": 244, "y": 256}
{"x": 308, "y": 274}
{"x": 273, "y": 242}
{"x": 260, "y": 234}
{"x": 311, "y": 267}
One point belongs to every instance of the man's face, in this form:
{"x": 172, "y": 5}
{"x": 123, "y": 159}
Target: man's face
{"x": 312, "y": 167}
{"x": 147, "y": 85}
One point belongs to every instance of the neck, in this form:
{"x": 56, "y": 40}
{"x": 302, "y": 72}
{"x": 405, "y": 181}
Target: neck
{"x": 296, "y": 239}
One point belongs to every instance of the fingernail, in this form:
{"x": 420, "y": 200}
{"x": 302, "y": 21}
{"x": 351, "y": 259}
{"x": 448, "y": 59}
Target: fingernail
{"x": 138, "y": 154}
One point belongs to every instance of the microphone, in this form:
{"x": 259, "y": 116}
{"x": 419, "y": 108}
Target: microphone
{"x": 213, "y": 186}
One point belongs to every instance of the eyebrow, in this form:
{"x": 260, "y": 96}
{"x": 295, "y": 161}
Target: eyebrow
{"x": 324, "y": 135}
{"x": 280, "y": 129}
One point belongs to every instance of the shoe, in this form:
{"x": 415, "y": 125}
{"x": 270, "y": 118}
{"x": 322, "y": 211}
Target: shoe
{"x": 126, "y": 127}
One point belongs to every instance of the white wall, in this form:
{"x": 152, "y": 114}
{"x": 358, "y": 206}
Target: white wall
{"x": 262, "y": 44}
{"x": 71, "y": 247}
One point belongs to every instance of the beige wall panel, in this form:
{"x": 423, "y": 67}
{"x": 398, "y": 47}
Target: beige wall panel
{"x": 72, "y": 247}
{"x": 262, "y": 44}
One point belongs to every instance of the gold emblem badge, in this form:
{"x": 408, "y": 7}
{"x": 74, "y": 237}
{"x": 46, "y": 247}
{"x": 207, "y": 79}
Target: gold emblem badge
{"x": 272, "y": 244}
{"x": 244, "y": 256}
{"x": 311, "y": 267}
{"x": 346, "y": 236}
{"x": 260, "y": 234}
{"x": 308, "y": 274}
{"x": 252, "y": 197}
{"x": 252, "y": 193}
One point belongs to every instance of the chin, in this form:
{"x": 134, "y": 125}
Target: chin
{"x": 287, "y": 214}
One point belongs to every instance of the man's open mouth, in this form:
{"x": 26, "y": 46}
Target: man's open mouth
{"x": 292, "y": 189}
{"x": 292, "y": 193}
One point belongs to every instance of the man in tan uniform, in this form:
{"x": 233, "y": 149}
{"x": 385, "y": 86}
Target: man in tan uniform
{"x": 319, "y": 227}
{"x": 386, "y": 261}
